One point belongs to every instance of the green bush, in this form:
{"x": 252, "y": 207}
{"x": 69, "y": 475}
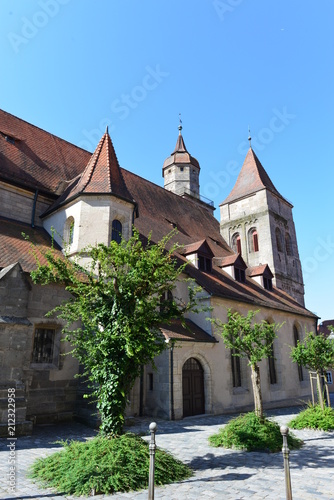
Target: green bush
{"x": 107, "y": 465}
{"x": 314, "y": 418}
{"x": 251, "y": 433}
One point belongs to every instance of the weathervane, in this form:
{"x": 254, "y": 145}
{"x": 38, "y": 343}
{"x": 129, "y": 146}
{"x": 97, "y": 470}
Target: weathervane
{"x": 249, "y": 137}
{"x": 180, "y": 125}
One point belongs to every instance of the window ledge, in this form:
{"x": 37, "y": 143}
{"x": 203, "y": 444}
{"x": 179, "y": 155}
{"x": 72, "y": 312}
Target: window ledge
{"x": 43, "y": 366}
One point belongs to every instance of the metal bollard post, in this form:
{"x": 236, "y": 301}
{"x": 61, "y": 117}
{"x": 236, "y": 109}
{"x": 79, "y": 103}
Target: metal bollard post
{"x": 285, "y": 450}
{"x": 152, "y": 447}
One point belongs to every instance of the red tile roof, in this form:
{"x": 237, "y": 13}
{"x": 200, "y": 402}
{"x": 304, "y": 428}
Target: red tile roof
{"x": 102, "y": 175}
{"x": 37, "y": 159}
{"x": 14, "y": 247}
{"x": 252, "y": 178}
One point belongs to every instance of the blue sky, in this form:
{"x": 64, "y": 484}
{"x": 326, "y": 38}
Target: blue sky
{"x": 74, "y": 66}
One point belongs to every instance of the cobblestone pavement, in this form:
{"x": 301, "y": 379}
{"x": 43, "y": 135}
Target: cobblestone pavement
{"x": 218, "y": 473}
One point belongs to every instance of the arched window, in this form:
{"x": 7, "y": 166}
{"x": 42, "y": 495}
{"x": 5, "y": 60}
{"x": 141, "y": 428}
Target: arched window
{"x": 279, "y": 241}
{"x": 288, "y": 244}
{"x": 295, "y": 341}
{"x": 236, "y": 243}
{"x": 116, "y": 231}
{"x": 69, "y": 230}
{"x": 253, "y": 240}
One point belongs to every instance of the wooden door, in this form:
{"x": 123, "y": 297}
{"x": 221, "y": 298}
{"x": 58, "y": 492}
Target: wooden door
{"x": 193, "y": 388}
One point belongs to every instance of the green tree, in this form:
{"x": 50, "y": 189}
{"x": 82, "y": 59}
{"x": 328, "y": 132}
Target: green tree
{"x": 116, "y": 299}
{"x": 250, "y": 340}
{"x": 316, "y": 353}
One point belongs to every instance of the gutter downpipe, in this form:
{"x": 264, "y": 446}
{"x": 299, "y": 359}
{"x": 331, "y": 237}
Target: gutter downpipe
{"x": 34, "y": 209}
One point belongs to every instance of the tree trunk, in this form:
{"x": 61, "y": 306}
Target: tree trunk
{"x": 256, "y": 383}
{"x": 320, "y": 393}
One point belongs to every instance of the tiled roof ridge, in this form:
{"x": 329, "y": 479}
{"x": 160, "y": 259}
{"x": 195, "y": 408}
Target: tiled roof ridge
{"x": 109, "y": 159}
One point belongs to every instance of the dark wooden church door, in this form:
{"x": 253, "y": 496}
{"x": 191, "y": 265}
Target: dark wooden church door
{"x": 193, "y": 388}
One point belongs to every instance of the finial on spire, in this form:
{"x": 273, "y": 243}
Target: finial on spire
{"x": 249, "y": 137}
{"x": 107, "y": 131}
{"x": 180, "y": 124}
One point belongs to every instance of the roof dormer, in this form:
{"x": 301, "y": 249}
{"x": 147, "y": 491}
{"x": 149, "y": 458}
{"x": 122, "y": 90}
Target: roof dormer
{"x": 199, "y": 254}
{"x": 262, "y": 275}
{"x": 234, "y": 265}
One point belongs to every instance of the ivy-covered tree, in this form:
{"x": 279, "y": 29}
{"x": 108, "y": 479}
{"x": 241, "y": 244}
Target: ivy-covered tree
{"x": 116, "y": 300}
{"x": 250, "y": 340}
{"x": 316, "y": 353}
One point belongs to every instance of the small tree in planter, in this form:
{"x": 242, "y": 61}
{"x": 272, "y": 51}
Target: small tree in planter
{"x": 253, "y": 341}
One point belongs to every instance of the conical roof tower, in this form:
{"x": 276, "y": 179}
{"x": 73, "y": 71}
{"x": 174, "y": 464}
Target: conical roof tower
{"x": 257, "y": 222}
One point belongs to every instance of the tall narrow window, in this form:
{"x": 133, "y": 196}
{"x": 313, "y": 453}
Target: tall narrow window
{"x": 296, "y": 340}
{"x": 272, "y": 369}
{"x": 116, "y": 231}
{"x": 236, "y": 243}
{"x": 279, "y": 241}
{"x": 236, "y": 372}
{"x": 253, "y": 240}
{"x": 288, "y": 244}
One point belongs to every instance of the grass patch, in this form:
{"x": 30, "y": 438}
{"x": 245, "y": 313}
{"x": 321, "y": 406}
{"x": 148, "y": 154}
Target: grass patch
{"x": 248, "y": 432}
{"x": 314, "y": 418}
{"x": 106, "y": 465}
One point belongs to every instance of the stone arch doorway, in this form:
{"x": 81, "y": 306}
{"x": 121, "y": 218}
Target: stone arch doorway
{"x": 193, "y": 388}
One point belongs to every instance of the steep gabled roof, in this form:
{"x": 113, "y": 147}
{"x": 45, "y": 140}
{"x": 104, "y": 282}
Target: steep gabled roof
{"x": 102, "y": 175}
{"x": 252, "y": 178}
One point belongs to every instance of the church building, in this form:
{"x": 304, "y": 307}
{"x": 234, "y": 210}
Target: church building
{"x": 51, "y": 189}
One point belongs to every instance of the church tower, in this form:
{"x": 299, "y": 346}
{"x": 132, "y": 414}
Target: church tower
{"x": 257, "y": 222}
{"x": 181, "y": 170}
{"x": 181, "y": 174}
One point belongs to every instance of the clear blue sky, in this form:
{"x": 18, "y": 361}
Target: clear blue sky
{"x": 73, "y": 66}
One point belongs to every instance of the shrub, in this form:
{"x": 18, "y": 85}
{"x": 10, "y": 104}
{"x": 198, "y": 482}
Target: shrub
{"x": 314, "y": 418}
{"x": 106, "y": 465}
{"x": 251, "y": 433}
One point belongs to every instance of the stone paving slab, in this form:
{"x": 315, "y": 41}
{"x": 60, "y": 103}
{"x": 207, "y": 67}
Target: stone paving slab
{"x": 218, "y": 473}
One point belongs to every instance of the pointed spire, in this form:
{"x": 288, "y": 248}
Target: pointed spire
{"x": 102, "y": 173}
{"x": 180, "y": 145}
{"x": 252, "y": 178}
{"x": 107, "y": 130}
